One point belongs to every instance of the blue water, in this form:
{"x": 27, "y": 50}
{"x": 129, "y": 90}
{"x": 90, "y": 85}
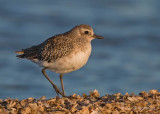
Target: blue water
{"x": 127, "y": 60}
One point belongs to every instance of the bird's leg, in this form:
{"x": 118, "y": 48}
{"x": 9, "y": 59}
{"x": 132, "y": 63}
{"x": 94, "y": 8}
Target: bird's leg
{"x": 61, "y": 79}
{"x": 54, "y": 86}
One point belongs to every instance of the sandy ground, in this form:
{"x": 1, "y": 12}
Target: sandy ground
{"x": 145, "y": 102}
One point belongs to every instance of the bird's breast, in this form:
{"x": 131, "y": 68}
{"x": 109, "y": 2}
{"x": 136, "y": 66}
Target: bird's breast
{"x": 74, "y": 61}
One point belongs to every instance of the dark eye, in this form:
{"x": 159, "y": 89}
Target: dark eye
{"x": 86, "y": 32}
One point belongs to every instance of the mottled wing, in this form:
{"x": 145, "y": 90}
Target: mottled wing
{"x": 50, "y": 50}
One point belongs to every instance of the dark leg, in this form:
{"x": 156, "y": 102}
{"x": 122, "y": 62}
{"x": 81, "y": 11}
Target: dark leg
{"x": 54, "y": 86}
{"x": 61, "y": 79}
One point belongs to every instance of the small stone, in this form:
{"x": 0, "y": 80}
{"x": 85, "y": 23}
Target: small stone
{"x": 84, "y": 95}
{"x": 42, "y": 98}
{"x": 25, "y": 110}
{"x": 152, "y": 91}
{"x": 108, "y": 106}
{"x": 94, "y": 93}
{"x": 143, "y": 94}
{"x": 74, "y": 95}
{"x": 11, "y": 104}
{"x": 23, "y": 103}
{"x": 30, "y": 99}
{"x": 13, "y": 111}
{"x": 3, "y": 111}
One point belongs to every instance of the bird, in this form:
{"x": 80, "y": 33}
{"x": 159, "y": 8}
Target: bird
{"x": 62, "y": 53}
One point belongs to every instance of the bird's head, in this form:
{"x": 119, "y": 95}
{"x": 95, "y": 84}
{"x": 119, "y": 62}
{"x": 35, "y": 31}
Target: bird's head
{"x": 85, "y": 31}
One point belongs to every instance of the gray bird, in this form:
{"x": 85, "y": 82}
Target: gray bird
{"x": 62, "y": 53}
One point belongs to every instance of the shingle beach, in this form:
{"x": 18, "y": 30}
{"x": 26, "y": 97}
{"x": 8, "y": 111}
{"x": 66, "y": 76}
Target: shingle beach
{"x": 145, "y": 102}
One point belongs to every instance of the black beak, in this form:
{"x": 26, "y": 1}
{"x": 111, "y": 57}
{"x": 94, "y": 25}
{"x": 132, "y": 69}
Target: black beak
{"x": 97, "y": 36}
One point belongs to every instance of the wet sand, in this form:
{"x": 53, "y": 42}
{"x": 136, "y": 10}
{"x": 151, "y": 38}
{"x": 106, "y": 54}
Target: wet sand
{"x": 145, "y": 102}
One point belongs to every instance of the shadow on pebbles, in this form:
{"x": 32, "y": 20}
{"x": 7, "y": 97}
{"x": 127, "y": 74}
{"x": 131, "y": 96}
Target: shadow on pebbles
{"x": 145, "y": 102}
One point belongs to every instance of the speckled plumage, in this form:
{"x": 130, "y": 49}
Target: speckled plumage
{"x": 56, "y": 47}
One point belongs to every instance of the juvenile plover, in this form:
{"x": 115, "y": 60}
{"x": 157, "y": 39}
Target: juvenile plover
{"x": 62, "y": 53}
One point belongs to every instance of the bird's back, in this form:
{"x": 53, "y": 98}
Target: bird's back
{"x": 50, "y": 50}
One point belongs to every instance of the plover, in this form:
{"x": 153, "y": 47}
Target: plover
{"x": 62, "y": 53}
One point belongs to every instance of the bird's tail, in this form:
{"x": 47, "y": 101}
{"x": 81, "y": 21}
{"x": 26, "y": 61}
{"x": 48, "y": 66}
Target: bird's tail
{"x": 20, "y": 52}
{"x": 29, "y": 53}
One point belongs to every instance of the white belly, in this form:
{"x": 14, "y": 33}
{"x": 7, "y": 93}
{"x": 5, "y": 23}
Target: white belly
{"x": 70, "y": 63}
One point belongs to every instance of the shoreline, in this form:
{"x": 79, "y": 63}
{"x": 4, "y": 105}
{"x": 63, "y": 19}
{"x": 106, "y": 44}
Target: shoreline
{"x": 145, "y": 102}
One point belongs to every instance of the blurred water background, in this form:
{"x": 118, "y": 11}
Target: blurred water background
{"x": 127, "y": 60}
